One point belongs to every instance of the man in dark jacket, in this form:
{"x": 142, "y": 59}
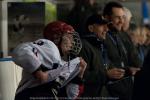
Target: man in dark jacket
{"x": 119, "y": 83}
{"x": 92, "y": 52}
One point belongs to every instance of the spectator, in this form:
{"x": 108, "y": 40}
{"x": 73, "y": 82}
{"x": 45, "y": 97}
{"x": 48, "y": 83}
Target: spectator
{"x": 142, "y": 38}
{"x": 92, "y": 52}
{"x": 138, "y": 38}
{"x": 133, "y": 58}
{"x": 119, "y": 82}
{"x": 128, "y": 16}
{"x": 80, "y": 12}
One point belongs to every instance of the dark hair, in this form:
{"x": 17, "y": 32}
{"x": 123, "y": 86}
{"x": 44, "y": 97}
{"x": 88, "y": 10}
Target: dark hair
{"x": 95, "y": 19}
{"x": 108, "y": 7}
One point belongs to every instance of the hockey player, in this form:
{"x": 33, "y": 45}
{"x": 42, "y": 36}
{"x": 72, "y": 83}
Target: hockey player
{"x": 47, "y": 66}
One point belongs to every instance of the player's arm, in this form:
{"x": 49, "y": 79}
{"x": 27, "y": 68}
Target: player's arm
{"x": 46, "y": 76}
{"x": 50, "y": 75}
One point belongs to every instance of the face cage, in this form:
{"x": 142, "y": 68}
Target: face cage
{"x": 77, "y": 44}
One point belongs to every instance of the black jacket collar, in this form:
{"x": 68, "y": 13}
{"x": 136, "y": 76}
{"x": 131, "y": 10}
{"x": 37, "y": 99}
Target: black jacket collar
{"x": 93, "y": 39}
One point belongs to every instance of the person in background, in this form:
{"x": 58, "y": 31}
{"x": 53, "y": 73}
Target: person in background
{"x": 126, "y": 24}
{"x": 142, "y": 40}
{"x": 46, "y": 67}
{"x": 80, "y": 12}
{"x": 133, "y": 58}
{"x": 119, "y": 83}
{"x": 138, "y": 37}
{"x": 127, "y": 20}
{"x": 93, "y": 51}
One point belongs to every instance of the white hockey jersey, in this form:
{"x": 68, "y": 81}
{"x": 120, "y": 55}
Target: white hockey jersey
{"x": 31, "y": 55}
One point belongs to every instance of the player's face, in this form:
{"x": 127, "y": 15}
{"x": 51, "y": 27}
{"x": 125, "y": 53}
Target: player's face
{"x": 67, "y": 43}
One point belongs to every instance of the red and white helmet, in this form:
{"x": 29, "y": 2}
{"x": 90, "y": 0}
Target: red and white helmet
{"x": 54, "y": 31}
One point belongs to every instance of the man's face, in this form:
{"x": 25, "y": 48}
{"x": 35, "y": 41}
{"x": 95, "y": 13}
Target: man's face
{"x": 100, "y": 30}
{"x": 117, "y": 18}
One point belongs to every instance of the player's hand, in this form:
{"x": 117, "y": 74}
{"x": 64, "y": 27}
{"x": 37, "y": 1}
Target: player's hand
{"x": 41, "y": 76}
{"x": 82, "y": 67}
